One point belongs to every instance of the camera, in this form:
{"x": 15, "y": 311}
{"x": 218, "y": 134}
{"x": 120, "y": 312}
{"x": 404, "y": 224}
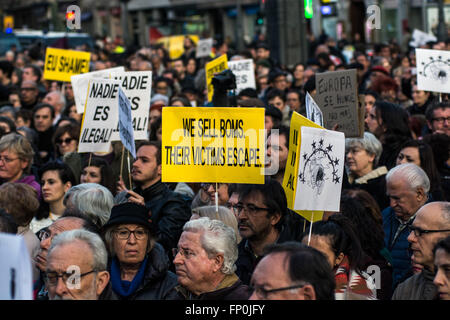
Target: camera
{"x": 222, "y": 82}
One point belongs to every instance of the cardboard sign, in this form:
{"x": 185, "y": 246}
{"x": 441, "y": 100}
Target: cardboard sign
{"x": 207, "y": 144}
{"x": 16, "y": 278}
{"x": 433, "y": 70}
{"x": 313, "y": 111}
{"x": 60, "y": 64}
{"x": 100, "y": 116}
{"x": 204, "y": 47}
{"x": 244, "y": 71}
{"x": 80, "y": 84}
{"x": 213, "y": 67}
{"x": 420, "y": 38}
{"x": 126, "y": 131}
{"x": 291, "y": 170}
{"x": 337, "y": 97}
{"x": 137, "y": 86}
{"x": 320, "y": 171}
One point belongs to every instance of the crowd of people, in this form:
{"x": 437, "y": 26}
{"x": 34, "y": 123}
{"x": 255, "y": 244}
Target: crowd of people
{"x": 134, "y": 237}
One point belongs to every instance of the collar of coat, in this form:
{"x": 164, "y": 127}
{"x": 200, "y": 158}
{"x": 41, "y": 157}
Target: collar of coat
{"x": 378, "y": 172}
{"x": 228, "y": 281}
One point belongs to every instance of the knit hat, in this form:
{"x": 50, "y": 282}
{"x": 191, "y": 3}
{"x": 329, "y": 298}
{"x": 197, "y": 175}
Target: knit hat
{"x": 130, "y": 213}
{"x": 159, "y": 97}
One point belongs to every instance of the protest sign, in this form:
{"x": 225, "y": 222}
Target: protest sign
{"x": 204, "y": 47}
{"x": 60, "y": 64}
{"x": 16, "y": 278}
{"x": 291, "y": 170}
{"x": 207, "y": 144}
{"x": 126, "y": 131}
{"x": 313, "y": 111}
{"x": 320, "y": 171}
{"x": 433, "y": 70}
{"x": 80, "y": 84}
{"x": 337, "y": 97}
{"x": 100, "y": 116}
{"x": 420, "y": 38}
{"x": 211, "y": 68}
{"x": 244, "y": 72}
{"x": 137, "y": 86}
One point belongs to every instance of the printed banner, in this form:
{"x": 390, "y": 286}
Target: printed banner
{"x": 61, "y": 64}
{"x": 213, "y": 67}
{"x": 126, "y": 131}
{"x": 433, "y": 70}
{"x": 244, "y": 72}
{"x": 206, "y": 144}
{"x": 313, "y": 111}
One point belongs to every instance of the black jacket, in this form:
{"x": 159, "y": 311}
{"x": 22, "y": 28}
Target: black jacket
{"x": 169, "y": 212}
{"x": 158, "y": 283}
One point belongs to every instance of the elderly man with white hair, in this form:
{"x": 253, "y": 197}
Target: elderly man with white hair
{"x": 407, "y": 187}
{"x": 205, "y": 262}
{"x": 57, "y": 100}
{"x": 77, "y": 267}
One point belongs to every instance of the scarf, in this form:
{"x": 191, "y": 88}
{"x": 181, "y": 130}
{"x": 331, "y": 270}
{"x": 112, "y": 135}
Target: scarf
{"x": 350, "y": 285}
{"x": 122, "y": 287}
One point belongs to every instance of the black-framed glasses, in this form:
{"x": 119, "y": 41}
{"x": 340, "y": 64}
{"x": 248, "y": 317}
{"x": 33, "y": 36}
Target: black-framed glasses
{"x": 418, "y": 232}
{"x": 263, "y": 293}
{"x": 441, "y": 119}
{"x": 7, "y": 160}
{"x": 232, "y": 207}
{"x": 184, "y": 252}
{"x": 250, "y": 209}
{"x": 66, "y": 141}
{"x": 124, "y": 234}
{"x": 52, "y": 277}
{"x": 205, "y": 186}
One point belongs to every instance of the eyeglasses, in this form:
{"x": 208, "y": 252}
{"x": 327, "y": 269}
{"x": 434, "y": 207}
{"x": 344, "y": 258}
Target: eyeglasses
{"x": 232, "y": 207}
{"x": 441, "y": 119}
{"x": 263, "y": 293}
{"x": 124, "y": 234}
{"x": 44, "y": 234}
{"x": 7, "y": 160}
{"x": 418, "y": 232}
{"x": 205, "y": 186}
{"x": 66, "y": 141}
{"x": 250, "y": 209}
{"x": 52, "y": 277}
{"x": 184, "y": 252}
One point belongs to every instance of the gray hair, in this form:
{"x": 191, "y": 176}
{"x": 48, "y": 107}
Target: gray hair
{"x": 95, "y": 202}
{"x": 414, "y": 175}
{"x": 216, "y": 238}
{"x": 95, "y": 243}
{"x": 75, "y": 189}
{"x": 369, "y": 143}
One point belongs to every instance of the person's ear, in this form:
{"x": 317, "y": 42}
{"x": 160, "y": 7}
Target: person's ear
{"x": 309, "y": 293}
{"x": 421, "y": 195}
{"x": 339, "y": 259}
{"x": 102, "y": 281}
{"x": 67, "y": 186}
{"x": 24, "y": 164}
{"x": 275, "y": 218}
{"x": 159, "y": 169}
{"x": 371, "y": 157}
{"x": 218, "y": 263}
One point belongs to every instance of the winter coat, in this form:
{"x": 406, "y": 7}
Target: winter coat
{"x": 418, "y": 287}
{"x": 169, "y": 212}
{"x": 158, "y": 283}
{"x": 231, "y": 288}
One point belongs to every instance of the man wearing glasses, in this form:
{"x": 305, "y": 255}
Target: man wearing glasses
{"x": 76, "y": 267}
{"x": 292, "y": 271}
{"x": 438, "y": 118}
{"x": 431, "y": 225}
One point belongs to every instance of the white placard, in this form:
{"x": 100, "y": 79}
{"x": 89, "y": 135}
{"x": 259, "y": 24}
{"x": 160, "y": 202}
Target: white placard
{"x": 126, "y": 131}
{"x": 204, "y": 47}
{"x": 137, "y": 86}
{"x": 320, "y": 171}
{"x": 433, "y": 70}
{"x": 244, "y": 72}
{"x": 80, "y": 84}
{"x": 420, "y": 38}
{"x": 16, "y": 279}
{"x": 313, "y": 111}
{"x": 100, "y": 116}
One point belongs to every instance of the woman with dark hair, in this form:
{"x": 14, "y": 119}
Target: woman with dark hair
{"x": 389, "y": 123}
{"x": 7, "y": 125}
{"x": 56, "y": 179}
{"x": 65, "y": 139}
{"x": 421, "y": 154}
{"x": 299, "y": 80}
{"x": 71, "y": 112}
{"x": 442, "y": 260}
{"x": 371, "y": 235}
{"x": 337, "y": 240}
{"x": 179, "y": 100}
{"x": 98, "y": 171}
{"x": 156, "y": 130}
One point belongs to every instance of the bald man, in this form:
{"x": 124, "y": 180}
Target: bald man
{"x": 57, "y": 101}
{"x": 431, "y": 225}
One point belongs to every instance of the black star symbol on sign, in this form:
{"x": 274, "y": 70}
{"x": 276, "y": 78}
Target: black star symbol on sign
{"x": 321, "y": 142}
{"x": 313, "y": 144}
{"x": 329, "y": 147}
{"x": 336, "y": 179}
{"x": 305, "y": 156}
{"x": 336, "y": 161}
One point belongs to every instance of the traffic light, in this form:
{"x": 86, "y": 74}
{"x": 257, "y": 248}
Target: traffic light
{"x": 309, "y": 12}
{"x": 8, "y": 24}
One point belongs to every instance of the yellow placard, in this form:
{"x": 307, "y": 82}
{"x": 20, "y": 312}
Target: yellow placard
{"x": 213, "y": 145}
{"x": 61, "y": 64}
{"x": 213, "y": 67}
{"x": 291, "y": 171}
{"x": 175, "y": 44}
